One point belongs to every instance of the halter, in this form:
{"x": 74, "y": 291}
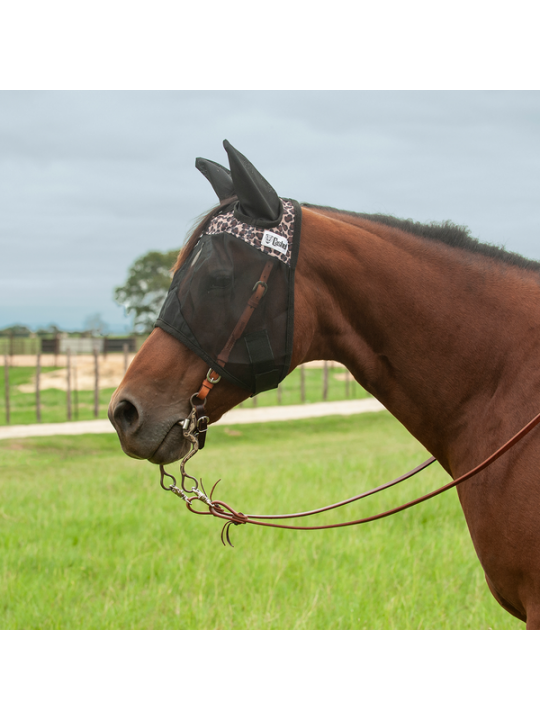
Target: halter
{"x": 197, "y": 422}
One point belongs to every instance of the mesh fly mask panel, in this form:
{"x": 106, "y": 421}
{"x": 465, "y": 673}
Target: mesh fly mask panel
{"x": 212, "y": 288}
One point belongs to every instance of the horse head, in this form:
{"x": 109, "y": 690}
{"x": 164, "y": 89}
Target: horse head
{"x": 228, "y": 316}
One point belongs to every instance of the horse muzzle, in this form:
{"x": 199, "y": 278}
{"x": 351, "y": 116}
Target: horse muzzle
{"x": 143, "y": 435}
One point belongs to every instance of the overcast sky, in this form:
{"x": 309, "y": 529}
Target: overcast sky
{"x": 89, "y": 181}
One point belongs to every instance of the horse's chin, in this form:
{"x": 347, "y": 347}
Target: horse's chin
{"x": 173, "y": 447}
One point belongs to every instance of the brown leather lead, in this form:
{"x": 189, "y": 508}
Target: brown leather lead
{"x": 224, "y": 511}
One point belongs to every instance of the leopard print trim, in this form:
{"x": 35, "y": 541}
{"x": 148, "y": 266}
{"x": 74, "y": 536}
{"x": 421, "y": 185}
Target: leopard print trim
{"x": 252, "y": 235}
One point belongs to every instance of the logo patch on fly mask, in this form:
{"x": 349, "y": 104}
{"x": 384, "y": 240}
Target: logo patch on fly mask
{"x": 277, "y": 244}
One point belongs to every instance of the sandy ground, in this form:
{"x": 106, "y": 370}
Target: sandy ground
{"x": 51, "y": 360}
{"x": 111, "y": 371}
{"x": 240, "y": 416}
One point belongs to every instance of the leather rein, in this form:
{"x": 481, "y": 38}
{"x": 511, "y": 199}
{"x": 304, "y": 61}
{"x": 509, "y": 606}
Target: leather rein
{"x": 224, "y": 511}
{"x": 195, "y": 427}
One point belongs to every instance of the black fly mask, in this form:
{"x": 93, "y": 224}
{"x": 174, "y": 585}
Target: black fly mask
{"x": 245, "y": 258}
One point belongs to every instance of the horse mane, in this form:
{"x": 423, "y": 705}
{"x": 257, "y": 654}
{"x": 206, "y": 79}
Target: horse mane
{"x": 197, "y": 230}
{"x": 457, "y": 236}
{"x": 447, "y": 232}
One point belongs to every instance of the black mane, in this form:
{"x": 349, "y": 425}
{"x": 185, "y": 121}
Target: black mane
{"x": 457, "y": 236}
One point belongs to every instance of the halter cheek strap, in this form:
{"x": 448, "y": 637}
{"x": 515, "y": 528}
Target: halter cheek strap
{"x": 198, "y": 401}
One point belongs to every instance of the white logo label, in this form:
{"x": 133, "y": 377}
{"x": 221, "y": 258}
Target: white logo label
{"x": 277, "y": 242}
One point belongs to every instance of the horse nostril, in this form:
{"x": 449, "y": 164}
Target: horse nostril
{"x": 126, "y": 414}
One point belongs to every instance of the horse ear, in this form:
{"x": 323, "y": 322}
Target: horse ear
{"x": 257, "y": 198}
{"x": 218, "y": 177}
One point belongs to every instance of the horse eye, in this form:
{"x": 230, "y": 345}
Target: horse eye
{"x": 220, "y": 281}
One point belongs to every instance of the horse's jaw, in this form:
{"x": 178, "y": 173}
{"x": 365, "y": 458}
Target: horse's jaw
{"x": 153, "y": 399}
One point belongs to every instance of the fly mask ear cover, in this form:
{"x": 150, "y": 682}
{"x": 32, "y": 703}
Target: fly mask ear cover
{"x": 215, "y": 283}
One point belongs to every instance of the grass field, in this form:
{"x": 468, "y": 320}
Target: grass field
{"x": 89, "y": 540}
{"x": 54, "y": 406}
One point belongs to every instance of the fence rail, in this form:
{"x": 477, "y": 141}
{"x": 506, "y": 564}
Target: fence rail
{"x": 13, "y": 345}
{"x": 78, "y": 387}
{"x": 19, "y": 346}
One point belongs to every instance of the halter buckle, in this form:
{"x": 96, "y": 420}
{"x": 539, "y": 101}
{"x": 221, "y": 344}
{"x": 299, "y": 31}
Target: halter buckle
{"x": 265, "y": 286}
{"x": 214, "y": 381}
{"x": 203, "y": 418}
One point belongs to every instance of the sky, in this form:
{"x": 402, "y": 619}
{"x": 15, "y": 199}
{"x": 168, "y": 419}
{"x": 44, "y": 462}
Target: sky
{"x": 91, "y": 180}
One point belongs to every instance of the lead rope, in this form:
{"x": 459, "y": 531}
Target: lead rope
{"x": 222, "y": 510}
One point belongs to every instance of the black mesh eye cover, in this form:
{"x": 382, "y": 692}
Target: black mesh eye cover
{"x": 210, "y": 292}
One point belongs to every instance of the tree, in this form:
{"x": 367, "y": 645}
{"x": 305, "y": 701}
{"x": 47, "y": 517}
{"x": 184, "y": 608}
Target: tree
{"x": 16, "y": 331}
{"x": 50, "y": 329}
{"x": 95, "y": 325}
{"x": 146, "y": 288}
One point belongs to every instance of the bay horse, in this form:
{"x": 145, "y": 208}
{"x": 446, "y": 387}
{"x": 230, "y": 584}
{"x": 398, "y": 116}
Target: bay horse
{"x": 442, "y": 329}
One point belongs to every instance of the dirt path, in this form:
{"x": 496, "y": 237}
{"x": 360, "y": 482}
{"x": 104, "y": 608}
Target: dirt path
{"x": 111, "y": 372}
{"x": 234, "y": 417}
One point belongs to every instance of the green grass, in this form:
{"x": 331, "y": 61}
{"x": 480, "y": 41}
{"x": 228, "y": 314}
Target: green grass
{"x": 291, "y": 389}
{"x": 89, "y": 540}
{"x": 54, "y": 404}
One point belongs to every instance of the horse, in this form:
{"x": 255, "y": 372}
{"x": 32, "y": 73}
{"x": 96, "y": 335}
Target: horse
{"x": 443, "y": 330}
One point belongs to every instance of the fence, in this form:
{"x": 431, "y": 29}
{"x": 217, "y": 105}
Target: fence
{"x": 59, "y": 344}
{"x": 78, "y": 387}
{"x": 19, "y": 345}
{"x": 69, "y": 386}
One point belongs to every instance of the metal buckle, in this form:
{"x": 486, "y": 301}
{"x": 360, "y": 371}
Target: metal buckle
{"x": 203, "y": 417}
{"x": 214, "y": 382}
{"x": 260, "y": 282}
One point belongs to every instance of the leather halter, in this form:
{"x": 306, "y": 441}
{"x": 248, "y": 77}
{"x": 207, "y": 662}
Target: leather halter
{"x": 198, "y": 401}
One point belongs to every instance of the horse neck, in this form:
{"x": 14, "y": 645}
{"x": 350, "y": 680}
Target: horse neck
{"x": 428, "y": 329}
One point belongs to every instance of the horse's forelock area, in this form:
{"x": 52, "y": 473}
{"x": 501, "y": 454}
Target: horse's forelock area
{"x": 447, "y": 232}
{"x": 198, "y": 229}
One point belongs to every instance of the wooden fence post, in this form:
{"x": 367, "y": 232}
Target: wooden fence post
{"x": 325, "y": 381}
{"x": 96, "y": 381}
{"x": 347, "y": 383}
{"x": 302, "y": 384}
{"x": 126, "y": 358}
{"x": 75, "y": 387}
{"x": 68, "y": 375}
{"x": 279, "y": 393}
{"x": 6, "y": 383}
{"x": 38, "y": 378}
